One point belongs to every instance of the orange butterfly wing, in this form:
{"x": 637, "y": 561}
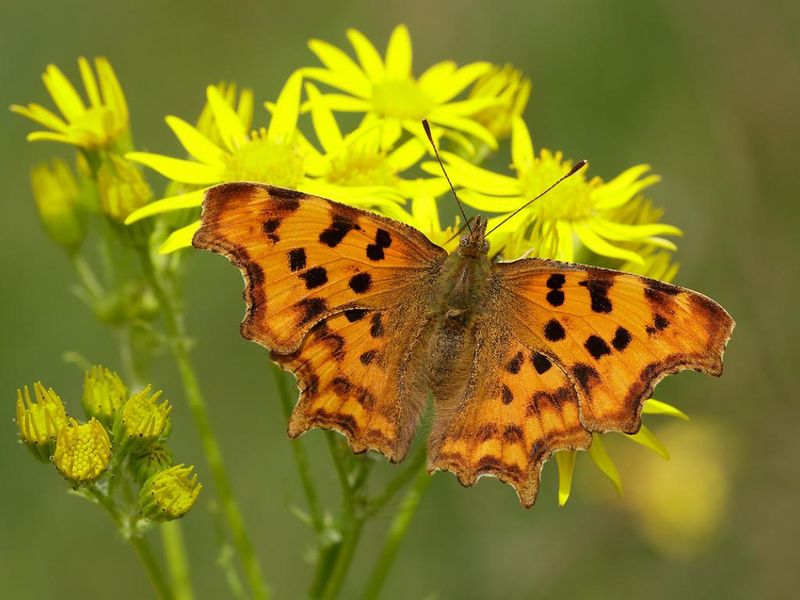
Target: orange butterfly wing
{"x": 338, "y": 295}
{"x": 563, "y": 350}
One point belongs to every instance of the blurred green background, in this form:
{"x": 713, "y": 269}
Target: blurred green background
{"x": 707, "y": 92}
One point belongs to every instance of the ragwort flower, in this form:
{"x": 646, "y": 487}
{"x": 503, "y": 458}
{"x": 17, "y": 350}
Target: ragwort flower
{"x": 83, "y": 451}
{"x": 386, "y": 89}
{"x": 274, "y": 155}
{"x": 142, "y": 421}
{"x": 579, "y": 211}
{"x": 508, "y": 85}
{"x": 57, "y": 195}
{"x": 169, "y": 494}
{"x": 101, "y": 124}
{"x": 39, "y": 422}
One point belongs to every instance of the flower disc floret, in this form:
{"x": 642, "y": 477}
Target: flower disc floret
{"x": 82, "y": 452}
{"x": 142, "y": 420}
{"x": 169, "y": 494}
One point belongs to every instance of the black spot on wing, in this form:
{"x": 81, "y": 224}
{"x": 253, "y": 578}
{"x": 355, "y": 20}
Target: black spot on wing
{"x": 513, "y": 434}
{"x": 556, "y": 280}
{"x": 597, "y": 346}
{"x": 297, "y": 259}
{"x": 374, "y": 252}
{"x": 555, "y": 297}
{"x": 270, "y": 226}
{"x": 621, "y": 339}
{"x": 360, "y": 282}
{"x": 515, "y": 363}
{"x": 355, "y": 314}
{"x": 335, "y": 233}
{"x": 554, "y": 331}
{"x": 314, "y": 277}
{"x": 660, "y": 322}
{"x": 585, "y": 375}
{"x": 541, "y": 363}
{"x": 376, "y": 327}
{"x": 310, "y": 309}
{"x": 598, "y": 293}
{"x": 383, "y": 238}
{"x": 367, "y": 357}
{"x": 507, "y": 396}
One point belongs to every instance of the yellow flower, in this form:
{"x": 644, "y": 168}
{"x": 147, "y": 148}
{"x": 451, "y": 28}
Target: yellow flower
{"x": 83, "y": 451}
{"x": 578, "y": 213}
{"x": 206, "y": 122}
{"x": 565, "y": 460}
{"x": 365, "y": 167}
{"x": 57, "y": 195}
{"x": 101, "y": 124}
{"x": 169, "y": 494}
{"x": 142, "y": 421}
{"x": 512, "y": 88}
{"x": 386, "y": 89}
{"x": 103, "y": 394}
{"x": 39, "y": 422}
{"x": 276, "y": 155}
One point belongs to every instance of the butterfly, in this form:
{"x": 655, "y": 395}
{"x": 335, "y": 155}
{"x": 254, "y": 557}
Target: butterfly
{"x": 521, "y": 358}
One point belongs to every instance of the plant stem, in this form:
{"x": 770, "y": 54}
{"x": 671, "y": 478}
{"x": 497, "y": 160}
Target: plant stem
{"x": 139, "y": 544}
{"x": 396, "y": 533}
{"x": 194, "y": 397}
{"x": 351, "y": 535}
{"x": 87, "y": 276}
{"x": 300, "y": 456}
{"x": 178, "y": 566}
{"x": 401, "y": 479}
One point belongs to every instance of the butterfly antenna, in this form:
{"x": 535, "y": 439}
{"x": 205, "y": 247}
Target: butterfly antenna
{"x": 575, "y": 168}
{"x": 426, "y": 126}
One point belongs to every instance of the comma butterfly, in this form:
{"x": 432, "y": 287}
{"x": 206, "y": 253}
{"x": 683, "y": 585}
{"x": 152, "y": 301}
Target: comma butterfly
{"x": 522, "y": 358}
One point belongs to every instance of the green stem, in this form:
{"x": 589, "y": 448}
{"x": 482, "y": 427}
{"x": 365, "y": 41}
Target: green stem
{"x": 350, "y": 538}
{"x": 194, "y": 398}
{"x": 87, "y": 276}
{"x": 396, "y": 533}
{"x": 139, "y": 544}
{"x": 300, "y": 457}
{"x": 401, "y": 479}
{"x": 177, "y": 564}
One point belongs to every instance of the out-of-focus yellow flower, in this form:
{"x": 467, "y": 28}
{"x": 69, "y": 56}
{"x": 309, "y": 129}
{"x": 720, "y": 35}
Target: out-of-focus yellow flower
{"x": 101, "y": 124}
{"x": 513, "y": 90}
{"x": 276, "y": 156}
{"x": 82, "y": 452}
{"x": 169, "y": 494}
{"x": 386, "y": 89}
{"x": 57, "y": 193}
{"x": 39, "y": 422}
{"x": 207, "y": 123}
{"x": 365, "y": 167}
{"x": 142, "y": 421}
{"x": 122, "y": 188}
{"x": 578, "y": 212}
{"x": 103, "y": 394}
{"x": 681, "y": 504}
{"x": 148, "y": 461}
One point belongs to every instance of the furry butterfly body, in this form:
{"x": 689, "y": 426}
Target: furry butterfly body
{"x": 522, "y": 358}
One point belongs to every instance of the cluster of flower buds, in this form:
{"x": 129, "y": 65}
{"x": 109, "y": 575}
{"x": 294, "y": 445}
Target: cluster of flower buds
{"x": 124, "y": 437}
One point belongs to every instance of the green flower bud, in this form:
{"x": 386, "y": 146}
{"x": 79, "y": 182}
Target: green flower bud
{"x": 82, "y": 452}
{"x": 39, "y": 422}
{"x": 169, "y": 494}
{"x": 122, "y": 187}
{"x": 57, "y": 197}
{"x": 148, "y": 461}
{"x": 103, "y": 394}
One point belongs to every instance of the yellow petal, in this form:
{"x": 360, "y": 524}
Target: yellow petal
{"x": 89, "y": 82}
{"x": 600, "y": 246}
{"x": 656, "y": 407}
{"x": 647, "y": 438}
{"x": 465, "y": 108}
{"x": 196, "y": 144}
{"x": 346, "y": 74}
{"x": 41, "y": 115}
{"x": 367, "y": 55}
{"x": 434, "y": 78}
{"x": 459, "y": 80}
{"x": 188, "y": 200}
{"x": 63, "y": 93}
{"x": 113, "y": 97}
{"x": 488, "y": 202}
{"x": 244, "y": 109}
{"x": 325, "y": 125}
{"x": 406, "y": 155}
{"x": 440, "y": 117}
{"x": 565, "y": 249}
{"x": 180, "y": 238}
{"x": 49, "y": 136}
{"x": 284, "y": 119}
{"x": 230, "y": 128}
{"x": 177, "y": 169}
{"x": 623, "y": 232}
{"x": 603, "y": 461}
{"x": 521, "y": 146}
{"x": 398, "y": 54}
{"x": 623, "y": 187}
{"x": 565, "y": 460}
{"x": 480, "y": 179}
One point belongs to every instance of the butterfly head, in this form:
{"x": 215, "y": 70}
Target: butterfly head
{"x": 473, "y": 243}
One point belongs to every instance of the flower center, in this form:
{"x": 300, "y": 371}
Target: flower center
{"x": 265, "y": 161}
{"x": 356, "y": 167}
{"x": 570, "y": 200}
{"x": 400, "y": 98}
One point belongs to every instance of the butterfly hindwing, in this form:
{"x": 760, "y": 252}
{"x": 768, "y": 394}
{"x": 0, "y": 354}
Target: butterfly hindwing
{"x": 615, "y": 334}
{"x": 305, "y": 258}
